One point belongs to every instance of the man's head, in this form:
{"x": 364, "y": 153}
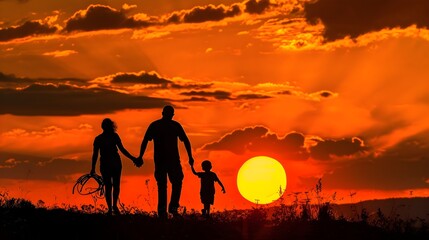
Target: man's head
{"x": 168, "y": 112}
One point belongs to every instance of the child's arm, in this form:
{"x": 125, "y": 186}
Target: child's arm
{"x": 220, "y": 183}
{"x": 193, "y": 170}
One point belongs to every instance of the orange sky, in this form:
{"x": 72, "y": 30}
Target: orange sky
{"x": 331, "y": 91}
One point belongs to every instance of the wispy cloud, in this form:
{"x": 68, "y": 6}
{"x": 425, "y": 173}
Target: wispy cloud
{"x": 60, "y": 53}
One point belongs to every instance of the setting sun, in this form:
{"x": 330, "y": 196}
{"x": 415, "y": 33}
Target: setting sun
{"x": 261, "y": 180}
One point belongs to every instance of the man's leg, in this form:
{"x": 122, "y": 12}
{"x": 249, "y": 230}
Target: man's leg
{"x": 161, "y": 180}
{"x": 175, "y": 175}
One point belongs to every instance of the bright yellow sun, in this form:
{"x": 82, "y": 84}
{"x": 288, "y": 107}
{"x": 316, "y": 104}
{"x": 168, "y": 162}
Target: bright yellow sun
{"x": 261, "y": 180}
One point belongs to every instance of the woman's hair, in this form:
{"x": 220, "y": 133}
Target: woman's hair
{"x": 108, "y": 125}
{"x": 206, "y": 165}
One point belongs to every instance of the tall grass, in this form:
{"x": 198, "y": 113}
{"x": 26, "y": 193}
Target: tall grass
{"x": 294, "y": 214}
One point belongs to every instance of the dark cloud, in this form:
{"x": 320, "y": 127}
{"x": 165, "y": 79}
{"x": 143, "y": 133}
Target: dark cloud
{"x": 252, "y": 96}
{"x": 29, "y": 28}
{"x": 174, "y": 18}
{"x": 292, "y": 147}
{"x": 66, "y": 100}
{"x": 11, "y": 80}
{"x": 22, "y": 166}
{"x": 98, "y": 17}
{"x": 326, "y": 94}
{"x": 326, "y": 149}
{"x": 210, "y": 13}
{"x": 155, "y": 81}
{"x": 237, "y": 141}
{"x": 256, "y": 7}
{"x": 102, "y": 17}
{"x": 403, "y": 166}
{"x": 196, "y": 99}
{"x": 286, "y": 92}
{"x": 224, "y": 95}
{"x": 143, "y": 78}
{"x": 204, "y": 13}
{"x": 220, "y": 95}
{"x": 258, "y": 139}
{"x": 357, "y": 17}
{"x": 190, "y": 85}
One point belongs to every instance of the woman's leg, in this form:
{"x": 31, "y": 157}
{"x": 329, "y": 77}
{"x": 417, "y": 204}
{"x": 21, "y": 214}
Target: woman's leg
{"x": 107, "y": 181}
{"x": 116, "y": 189}
{"x": 108, "y": 192}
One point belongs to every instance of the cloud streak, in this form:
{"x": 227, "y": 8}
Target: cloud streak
{"x": 21, "y": 166}
{"x": 67, "y": 100}
{"x": 151, "y": 80}
{"x": 29, "y": 28}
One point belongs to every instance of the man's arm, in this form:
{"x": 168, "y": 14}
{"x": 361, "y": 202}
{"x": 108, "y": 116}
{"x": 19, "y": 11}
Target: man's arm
{"x": 188, "y": 147}
{"x": 147, "y": 137}
{"x": 184, "y": 138}
{"x": 143, "y": 147}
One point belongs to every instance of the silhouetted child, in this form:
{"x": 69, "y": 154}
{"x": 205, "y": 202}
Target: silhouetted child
{"x": 207, "y": 190}
{"x": 107, "y": 143}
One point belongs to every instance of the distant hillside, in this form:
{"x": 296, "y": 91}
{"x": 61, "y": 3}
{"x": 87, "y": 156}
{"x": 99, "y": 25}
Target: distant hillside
{"x": 404, "y": 208}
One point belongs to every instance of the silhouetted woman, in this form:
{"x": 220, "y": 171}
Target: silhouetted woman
{"x": 107, "y": 143}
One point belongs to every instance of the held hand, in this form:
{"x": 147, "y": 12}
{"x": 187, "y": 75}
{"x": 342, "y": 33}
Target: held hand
{"x": 138, "y": 162}
{"x": 191, "y": 161}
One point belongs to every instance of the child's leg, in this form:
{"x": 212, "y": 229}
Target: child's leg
{"x": 207, "y": 209}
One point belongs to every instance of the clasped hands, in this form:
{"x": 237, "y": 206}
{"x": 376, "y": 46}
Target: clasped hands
{"x": 138, "y": 161}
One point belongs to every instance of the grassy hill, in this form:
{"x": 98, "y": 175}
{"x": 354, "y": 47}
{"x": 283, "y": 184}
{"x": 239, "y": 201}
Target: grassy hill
{"x": 403, "y": 208}
{"x": 20, "y": 219}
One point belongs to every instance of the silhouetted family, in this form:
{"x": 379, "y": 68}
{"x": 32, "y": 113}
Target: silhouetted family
{"x": 164, "y": 133}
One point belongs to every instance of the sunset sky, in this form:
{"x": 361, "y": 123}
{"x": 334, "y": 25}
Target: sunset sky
{"x": 332, "y": 89}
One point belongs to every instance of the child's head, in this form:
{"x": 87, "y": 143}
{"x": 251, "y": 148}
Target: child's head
{"x": 108, "y": 125}
{"x": 206, "y": 165}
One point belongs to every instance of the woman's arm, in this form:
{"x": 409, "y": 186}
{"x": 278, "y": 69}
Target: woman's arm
{"x": 94, "y": 158}
{"x": 123, "y": 150}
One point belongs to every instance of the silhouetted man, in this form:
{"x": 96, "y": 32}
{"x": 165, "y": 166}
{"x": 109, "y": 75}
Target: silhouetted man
{"x": 164, "y": 133}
